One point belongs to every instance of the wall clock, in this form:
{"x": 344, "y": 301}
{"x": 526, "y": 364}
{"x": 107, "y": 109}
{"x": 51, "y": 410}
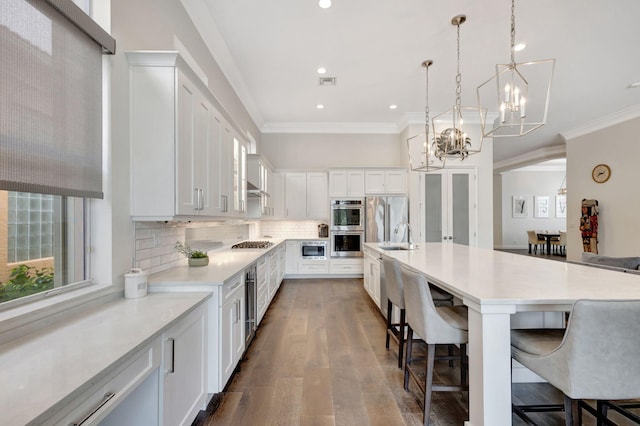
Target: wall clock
{"x": 601, "y": 173}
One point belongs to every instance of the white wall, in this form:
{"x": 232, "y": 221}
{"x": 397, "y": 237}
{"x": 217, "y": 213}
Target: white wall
{"x": 529, "y": 184}
{"x": 618, "y": 230}
{"x": 322, "y": 151}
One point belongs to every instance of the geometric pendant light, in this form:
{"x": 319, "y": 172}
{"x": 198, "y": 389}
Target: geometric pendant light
{"x": 451, "y": 129}
{"x": 422, "y": 147}
{"x": 520, "y": 92}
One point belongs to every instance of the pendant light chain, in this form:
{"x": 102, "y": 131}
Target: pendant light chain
{"x": 426, "y": 64}
{"x": 513, "y": 32}
{"x": 458, "y": 75}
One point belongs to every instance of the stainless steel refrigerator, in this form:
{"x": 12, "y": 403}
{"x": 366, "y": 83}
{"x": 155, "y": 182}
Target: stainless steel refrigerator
{"x": 382, "y": 216}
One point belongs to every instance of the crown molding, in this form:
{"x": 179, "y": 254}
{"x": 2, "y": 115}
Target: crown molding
{"x": 532, "y": 157}
{"x": 332, "y": 128}
{"x": 621, "y": 116}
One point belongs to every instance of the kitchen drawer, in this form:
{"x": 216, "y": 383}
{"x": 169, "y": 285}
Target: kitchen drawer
{"x": 313, "y": 267}
{"x": 344, "y": 266}
{"x": 104, "y": 396}
{"x": 229, "y": 288}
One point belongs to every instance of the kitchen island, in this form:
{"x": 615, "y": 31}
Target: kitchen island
{"x": 495, "y": 285}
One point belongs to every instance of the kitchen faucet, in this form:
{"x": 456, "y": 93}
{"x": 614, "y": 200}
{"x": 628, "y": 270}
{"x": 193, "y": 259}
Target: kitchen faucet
{"x": 411, "y": 247}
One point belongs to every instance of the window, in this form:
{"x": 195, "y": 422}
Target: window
{"x": 50, "y": 143}
{"x": 42, "y": 240}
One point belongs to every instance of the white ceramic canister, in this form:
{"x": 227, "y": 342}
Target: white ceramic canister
{"x": 135, "y": 283}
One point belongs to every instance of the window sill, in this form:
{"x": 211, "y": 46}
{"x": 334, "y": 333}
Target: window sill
{"x": 27, "y": 318}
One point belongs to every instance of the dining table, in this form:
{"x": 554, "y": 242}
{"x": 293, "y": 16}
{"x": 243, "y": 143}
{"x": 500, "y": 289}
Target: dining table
{"x": 495, "y": 285}
{"x": 548, "y": 237}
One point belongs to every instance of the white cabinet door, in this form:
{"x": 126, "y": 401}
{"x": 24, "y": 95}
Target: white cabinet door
{"x": 317, "y": 200}
{"x": 186, "y": 185}
{"x": 282, "y": 262}
{"x": 450, "y": 207}
{"x": 231, "y": 327}
{"x": 395, "y": 181}
{"x": 338, "y": 186}
{"x": 374, "y": 181}
{"x": 295, "y": 195}
{"x": 386, "y": 181}
{"x": 185, "y": 369}
{"x": 293, "y": 256}
{"x": 355, "y": 183}
{"x": 277, "y": 194}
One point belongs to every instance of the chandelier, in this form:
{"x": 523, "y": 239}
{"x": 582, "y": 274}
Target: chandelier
{"x": 452, "y": 140}
{"x": 563, "y": 187}
{"x": 520, "y": 110}
{"x": 422, "y": 147}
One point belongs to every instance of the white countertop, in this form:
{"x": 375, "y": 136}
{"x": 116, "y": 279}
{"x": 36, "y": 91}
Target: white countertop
{"x": 58, "y": 364}
{"x": 223, "y": 264}
{"x": 487, "y": 276}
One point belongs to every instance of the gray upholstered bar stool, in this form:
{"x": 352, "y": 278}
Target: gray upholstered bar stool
{"x": 395, "y": 296}
{"x": 392, "y": 280}
{"x": 595, "y": 358}
{"x": 441, "y": 325}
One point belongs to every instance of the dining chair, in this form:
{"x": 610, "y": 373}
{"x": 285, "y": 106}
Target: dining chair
{"x": 561, "y": 243}
{"x": 534, "y": 241}
{"x": 436, "y": 325}
{"x": 594, "y": 358}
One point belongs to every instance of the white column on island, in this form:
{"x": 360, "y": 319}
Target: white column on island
{"x": 489, "y": 364}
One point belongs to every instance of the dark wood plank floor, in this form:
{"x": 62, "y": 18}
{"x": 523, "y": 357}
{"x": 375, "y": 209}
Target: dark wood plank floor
{"x": 319, "y": 359}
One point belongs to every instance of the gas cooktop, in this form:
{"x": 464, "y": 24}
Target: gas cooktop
{"x": 252, "y": 245}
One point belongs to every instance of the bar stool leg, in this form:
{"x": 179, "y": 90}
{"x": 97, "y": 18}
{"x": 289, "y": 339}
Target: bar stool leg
{"x": 428, "y": 388}
{"x": 401, "y": 330}
{"x": 389, "y": 312}
{"x": 407, "y": 361}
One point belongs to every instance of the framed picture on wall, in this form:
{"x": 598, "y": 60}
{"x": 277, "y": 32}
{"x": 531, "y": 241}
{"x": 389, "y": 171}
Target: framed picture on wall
{"x": 561, "y": 206}
{"x": 520, "y": 207}
{"x": 541, "y": 206}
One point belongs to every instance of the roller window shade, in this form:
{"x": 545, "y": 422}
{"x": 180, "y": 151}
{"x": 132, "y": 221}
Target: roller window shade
{"x": 50, "y": 103}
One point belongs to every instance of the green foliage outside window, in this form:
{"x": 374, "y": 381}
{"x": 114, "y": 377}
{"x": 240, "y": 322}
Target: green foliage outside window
{"x": 26, "y": 280}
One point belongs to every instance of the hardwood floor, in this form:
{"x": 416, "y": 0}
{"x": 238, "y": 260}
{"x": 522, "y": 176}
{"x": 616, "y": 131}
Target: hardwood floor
{"x": 319, "y": 359}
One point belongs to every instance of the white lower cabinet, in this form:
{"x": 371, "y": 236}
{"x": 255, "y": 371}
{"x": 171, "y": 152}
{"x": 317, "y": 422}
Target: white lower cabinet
{"x": 346, "y": 266}
{"x": 274, "y": 284}
{"x": 231, "y": 320}
{"x": 312, "y": 267}
{"x": 292, "y": 257}
{"x": 262, "y": 280}
{"x": 372, "y": 276}
{"x": 107, "y": 399}
{"x": 282, "y": 262}
{"x": 185, "y": 369}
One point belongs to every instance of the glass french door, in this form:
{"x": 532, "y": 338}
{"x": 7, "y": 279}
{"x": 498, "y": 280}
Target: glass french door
{"x": 450, "y": 206}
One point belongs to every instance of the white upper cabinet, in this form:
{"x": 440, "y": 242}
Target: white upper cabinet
{"x": 186, "y": 159}
{"x": 392, "y": 181}
{"x": 306, "y": 195}
{"x": 346, "y": 183}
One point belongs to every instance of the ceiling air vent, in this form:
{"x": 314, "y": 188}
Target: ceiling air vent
{"x": 327, "y": 81}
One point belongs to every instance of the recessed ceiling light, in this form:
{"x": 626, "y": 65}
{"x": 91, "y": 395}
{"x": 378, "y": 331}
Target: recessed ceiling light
{"x": 520, "y": 46}
{"x": 325, "y": 4}
{"x": 320, "y": 106}
{"x": 322, "y": 70}
{"x": 393, "y": 106}
{"x": 634, "y": 85}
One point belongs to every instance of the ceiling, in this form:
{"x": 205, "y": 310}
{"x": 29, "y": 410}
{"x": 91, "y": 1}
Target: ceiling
{"x": 270, "y": 50}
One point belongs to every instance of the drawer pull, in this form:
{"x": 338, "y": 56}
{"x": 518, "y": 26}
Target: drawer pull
{"x": 173, "y": 355}
{"x": 107, "y": 397}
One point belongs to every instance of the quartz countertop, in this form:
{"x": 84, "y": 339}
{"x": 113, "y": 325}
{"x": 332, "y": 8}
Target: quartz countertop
{"x": 223, "y": 264}
{"x": 57, "y": 364}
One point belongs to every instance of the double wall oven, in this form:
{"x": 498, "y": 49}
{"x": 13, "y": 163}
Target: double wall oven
{"x": 347, "y": 227}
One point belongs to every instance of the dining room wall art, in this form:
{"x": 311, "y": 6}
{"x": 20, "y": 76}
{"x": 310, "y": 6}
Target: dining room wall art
{"x": 541, "y": 206}
{"x": 520, "y": 206}
{"x": 561, "y": 206}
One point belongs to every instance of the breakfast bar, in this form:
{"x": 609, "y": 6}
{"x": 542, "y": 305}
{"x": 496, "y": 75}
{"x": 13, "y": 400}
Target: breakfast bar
{"x": 494, "y": 285}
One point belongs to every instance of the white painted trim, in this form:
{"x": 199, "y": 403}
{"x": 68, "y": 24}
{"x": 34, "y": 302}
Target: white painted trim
{"x": 603, "y": 122}
{"x": 532, "y": 157}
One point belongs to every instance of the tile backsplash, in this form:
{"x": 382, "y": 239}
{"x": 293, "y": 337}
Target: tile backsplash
{"x": 154, "y": 241}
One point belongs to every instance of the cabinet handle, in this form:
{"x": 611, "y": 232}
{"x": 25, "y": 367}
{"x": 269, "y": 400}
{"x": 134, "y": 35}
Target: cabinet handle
{"x": 201, "y": 199}
{"x": 106, "y": 398}
{"x": 223, "y": 198}
{"x": 197, "y": 207}
{"x": 173, "y": 355}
